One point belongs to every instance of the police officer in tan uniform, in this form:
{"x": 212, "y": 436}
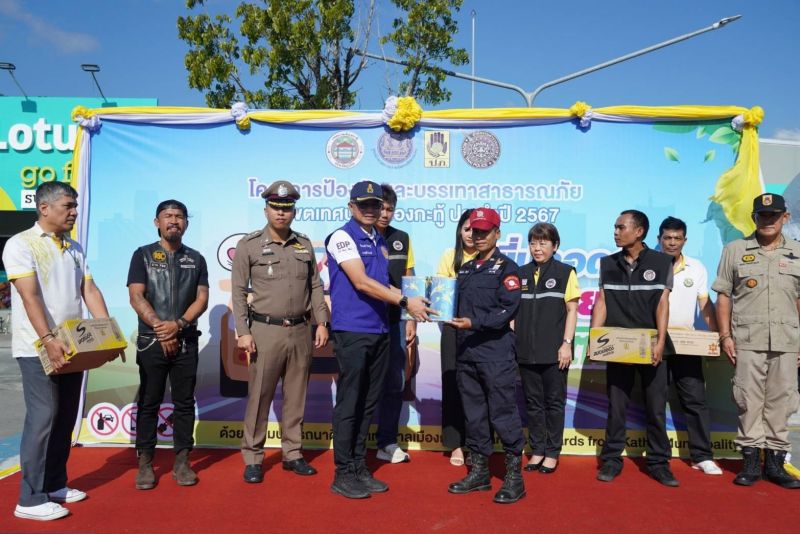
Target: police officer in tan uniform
{"x": 758, "y": 282}
{"x": 275, "y": 329}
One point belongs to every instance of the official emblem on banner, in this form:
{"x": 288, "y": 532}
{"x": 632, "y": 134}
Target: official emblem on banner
{"x": 437, "y": 149}
{"x": 480, "y": 149}
{"x": 344, "y": 150}
{"x": 395, "y": 149}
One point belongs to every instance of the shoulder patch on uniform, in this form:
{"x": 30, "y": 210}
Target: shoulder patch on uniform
{"x": 511, "y": 282}
{"x": 748, "y": 258}
{"x": 253, "y": 235}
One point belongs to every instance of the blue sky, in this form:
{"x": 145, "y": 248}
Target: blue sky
{"x": 750, "y": 62}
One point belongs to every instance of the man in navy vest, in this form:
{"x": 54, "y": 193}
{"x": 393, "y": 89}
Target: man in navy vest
{"x": 401, "y": 334}
{"x": 358, "y": 262}
{"x": 634, "y": 293}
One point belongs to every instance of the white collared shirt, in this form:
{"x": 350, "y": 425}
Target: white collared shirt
{"x": 690, "y": 284}
{"x": 60, "y": 270}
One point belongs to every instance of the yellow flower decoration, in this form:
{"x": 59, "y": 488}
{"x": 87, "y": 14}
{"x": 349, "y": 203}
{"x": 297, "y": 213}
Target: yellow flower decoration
{"x": 243, "y": 123}
{"x": 754, "y": 116}
{"x": 407, "y": 115}
{"x": 80, "y": 111}
{"x": 579, "y": 109}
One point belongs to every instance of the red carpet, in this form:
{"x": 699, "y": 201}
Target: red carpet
{"x": 568, "y": 501}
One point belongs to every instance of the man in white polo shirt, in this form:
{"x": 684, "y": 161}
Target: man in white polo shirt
{"x": 50, "y": 281}
{"x": 689, "y": 290}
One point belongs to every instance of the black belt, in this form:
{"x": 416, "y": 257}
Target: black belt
{"x": 282, "y": 321}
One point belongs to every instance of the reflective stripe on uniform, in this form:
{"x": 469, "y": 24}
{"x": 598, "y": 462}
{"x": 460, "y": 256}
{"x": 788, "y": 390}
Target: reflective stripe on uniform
{"x": 398, "y": 256}
{"x": 621, "y": 287}
{"x": 549, "y": 294}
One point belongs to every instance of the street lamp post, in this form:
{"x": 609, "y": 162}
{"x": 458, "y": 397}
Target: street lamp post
{"x": 10, "y": 68}
{"x": 91, "y": 68}
{"x": 531, "y": 96}
{"x": 472, "y": 57}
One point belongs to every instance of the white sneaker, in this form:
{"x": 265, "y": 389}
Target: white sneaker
{"x": 708, "y": 467}
{"x": 393, "y": 453}
{"x": 67, "y": 495}
{"x": 41, "y": 512}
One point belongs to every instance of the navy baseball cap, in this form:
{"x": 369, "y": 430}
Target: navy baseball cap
{"x": 366, "y": 190}
{"x": 768, "y": 202}
{"x": 172, "y": 204}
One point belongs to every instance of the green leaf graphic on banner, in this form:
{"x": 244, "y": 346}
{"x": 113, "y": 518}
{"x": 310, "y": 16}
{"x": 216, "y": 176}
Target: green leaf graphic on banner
{"x": 671, "y": 154}
{"x": 725, "y": 135}
{"x": 710, "y": 155}
{"x": 701, "y": 132}
{"x": 675, "y": 128}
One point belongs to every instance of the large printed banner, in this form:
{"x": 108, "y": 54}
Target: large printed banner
{"x": 576, "y": 176}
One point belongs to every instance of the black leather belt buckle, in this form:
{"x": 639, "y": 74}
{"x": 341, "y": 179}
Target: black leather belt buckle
{"x": 287, "y": 322}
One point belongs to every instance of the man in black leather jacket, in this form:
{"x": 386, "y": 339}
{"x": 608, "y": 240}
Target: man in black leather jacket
{"x": 168, "y": 287}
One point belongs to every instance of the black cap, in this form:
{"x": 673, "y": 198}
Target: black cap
{"x": 171, "y": 204}
{"x": 366, "y": 190}
{"x": 768, "y": 202}
{"x": 281, "y": 194}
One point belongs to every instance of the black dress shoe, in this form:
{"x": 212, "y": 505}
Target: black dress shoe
{"x": 609, "y": 471}
{"x": 300, "y": 467}
{"x": 664, "y": 476}
{"x": 534, "y": 467}
{"x": 253, "y": 474}
{"x": 548, "y": 470}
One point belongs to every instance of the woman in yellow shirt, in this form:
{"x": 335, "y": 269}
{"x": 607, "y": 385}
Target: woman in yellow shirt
{"x": 452, "y": 410}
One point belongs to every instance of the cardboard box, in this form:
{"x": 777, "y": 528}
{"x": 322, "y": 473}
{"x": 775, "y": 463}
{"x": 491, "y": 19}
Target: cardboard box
{"x": 622, "y": 345}
{"x": 91, "y": 343}
{"x": 695, "y": 342}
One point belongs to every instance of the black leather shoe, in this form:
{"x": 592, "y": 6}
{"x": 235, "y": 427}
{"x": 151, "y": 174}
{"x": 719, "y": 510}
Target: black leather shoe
{"x": 253, "y": 474}
{"x": 548, "y": 470}
{"x": 300, "y": 467}
{"x": 347, "y": 485}
{"x": 663, "y": 475}
{"x": 534, "y": 467}
{"x": 609, "y": 471}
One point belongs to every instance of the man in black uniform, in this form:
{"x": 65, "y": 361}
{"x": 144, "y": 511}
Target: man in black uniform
{"x": 486, "y": 369}
{"x": 168, "y": 288}
{"x": 634, "y": 293}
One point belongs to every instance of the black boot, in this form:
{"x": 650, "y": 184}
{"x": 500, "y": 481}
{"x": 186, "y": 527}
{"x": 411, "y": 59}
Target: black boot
{"x": 145, "y": 477}
{"x": 513, "y": 488}
{"x": 478, "y": 478}
{"x": 774, "y": 471}
{"x": 751, "y": 467}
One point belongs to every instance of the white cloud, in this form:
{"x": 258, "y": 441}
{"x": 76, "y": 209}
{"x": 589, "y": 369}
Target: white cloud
{"x": 65, "y": 42}
{"x": 788, "y": 135}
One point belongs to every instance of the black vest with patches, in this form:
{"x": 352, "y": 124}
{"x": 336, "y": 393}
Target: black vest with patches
{"x": 172, "y": 279}
{"x": 397, "y": 243}
{"x": 542, "y": 313}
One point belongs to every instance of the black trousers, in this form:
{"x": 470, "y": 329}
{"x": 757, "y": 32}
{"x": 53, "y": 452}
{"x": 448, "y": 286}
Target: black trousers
{"x": 687, "y": 374}
{"x": 488, "y": 390}
{"x": 619, "y": 385}
{"x": 363, "y": 360}
{"x": 453, "y": 432}
{"x": 545, "y": 387}
{"x": 154, "y": 369}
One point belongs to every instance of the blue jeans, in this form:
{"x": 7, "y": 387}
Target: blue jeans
{"x": 391, "y": 402}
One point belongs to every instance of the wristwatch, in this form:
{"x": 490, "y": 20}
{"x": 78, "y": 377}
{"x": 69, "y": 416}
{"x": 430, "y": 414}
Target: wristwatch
{"x": 568, "y": 341}
{"x": 403, "y": 302}
{"x": 182, "y": 323}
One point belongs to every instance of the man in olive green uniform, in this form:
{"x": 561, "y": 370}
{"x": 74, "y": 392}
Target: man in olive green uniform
{"x": 758, "y": 282}
{"x": 275, "y": 329}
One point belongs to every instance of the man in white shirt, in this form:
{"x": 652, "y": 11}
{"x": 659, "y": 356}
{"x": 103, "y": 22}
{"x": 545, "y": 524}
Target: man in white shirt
{"x": 689, "y": 290}
{"x": 50, "y": 281}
